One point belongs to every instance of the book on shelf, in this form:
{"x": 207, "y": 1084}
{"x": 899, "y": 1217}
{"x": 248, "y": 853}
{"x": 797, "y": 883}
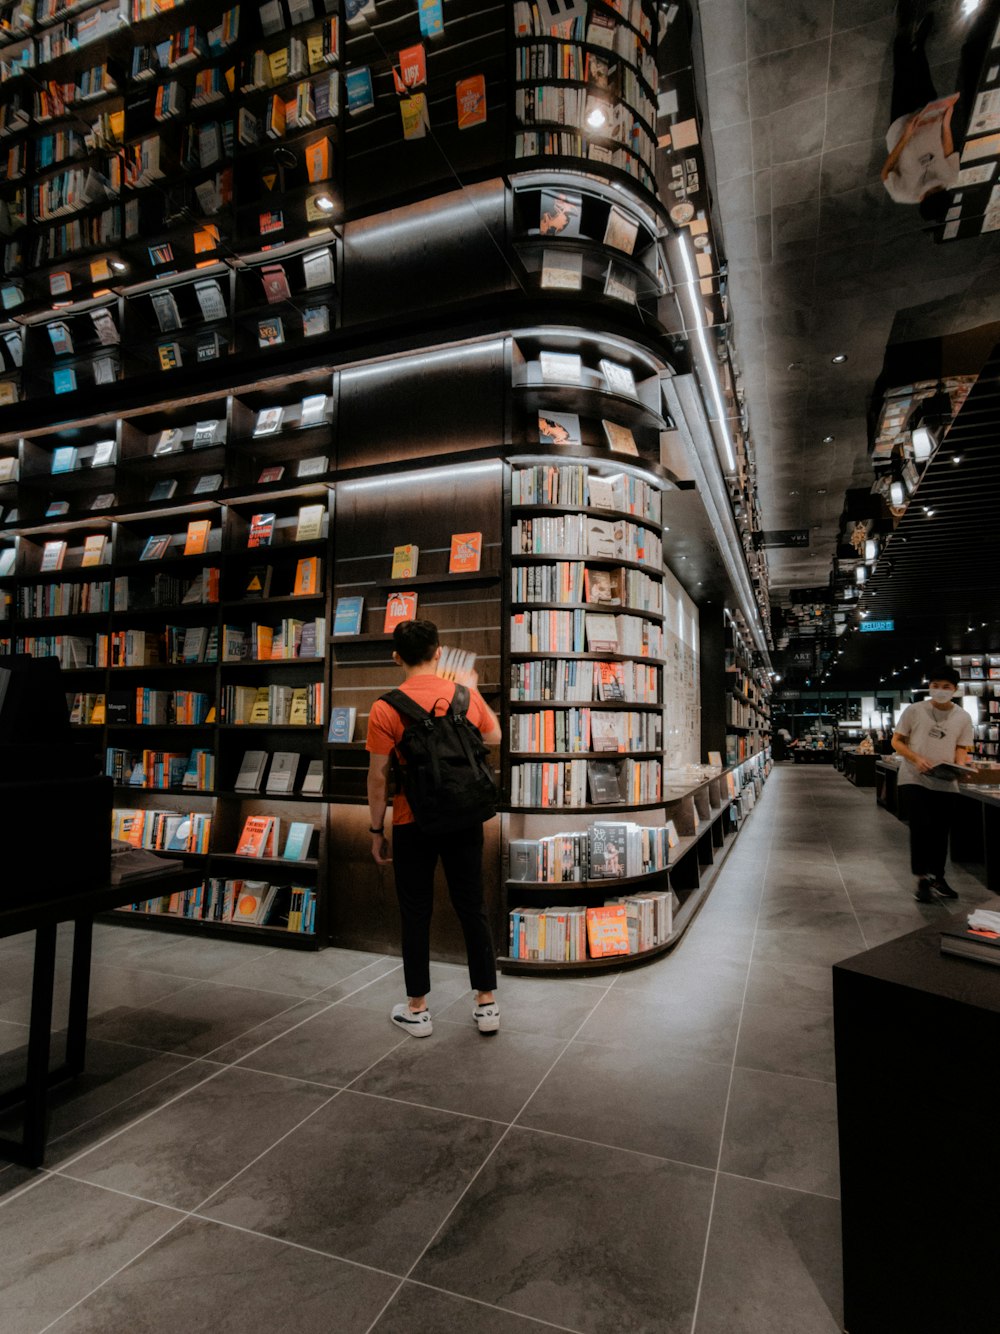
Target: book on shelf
{"x": 261, "y": 532}
{"x": 204, "y": 434}
{"x": 165, "y": 309}
{"x": 561, "y": 367}
{"x": 411, "y": 71}
{"x": 312, "y": 783}
{"x": 621, "y": 230}
{"x": 105, "y": 327}
{"x": 347, "y": 615}
{"x": 317, "y": 268}
{"x": 270, "y": 332}
{"x": 404, "y": 561}
{"x": 196, "y": 541}
{"x": 56, "y": 509}
{"x": 170, "y": 356}
{"x": 258, "y": 583}
{"x": 315, "y": 320}
{"x": 466, "y": 553}
{"x": 7, "y": 557}
{"x": 63, "y": 380}
{"x": 254, "y": 901}
{"x": 273, "y": 473}
{"x": 94, "y": 549}
{"x": 558, "y": 428}
{"x": 431, "y": 14}
{"x": 620, "y": 438}
{"x": 313, "y": 467}
{"x": 603, "y": 586}
{"x": 268, "y": 421}
{"x": 399, "y": 607}
{"x": 171, "y": 441}
{"x": 618, "y": 378}
{"x": 210, "y": 299}
{"x": 207, "y": 483}
{"x": 603, "y": 782}
{"x": 53, "y": 554}
{"x": 60, "y": 338}
{"x": 342, "y": 721}
{"x": 308, "y": 577}
{"x": 602, "y": 633}
{"x": 470, "y": 101}
{"x": 610, "y": 682}
{"x": 620, "y": 284}
{"x": 259, "y": 837}
{"x": 319, "y": 160}
{"x": 104, "y": 501}
{"x": 298, "y": 841}
{"x": 103, "y": 455}
{"x": 562, "y": 270}
{"x": 251, "y": 773}
{"x": 358, "y": 86}
{"x": 9, "y": 469}
{"x": 313, "y": 410}
{"x": 105, "y": 370}
{"x": 283, "y": 772}
{"x": 607, "y": 930}
{"x": 601, "y": 492}
{"x": 64, "y": 459}
{"x": 358, "y": 13}
{"x": 415, "y": 116}
{"x": 309, "y": 527}
{"x": 156, "y": 546}
{"x": 560, "y": 212}
{"x": 275, "y": 283}
{"x": 208, "y": 347}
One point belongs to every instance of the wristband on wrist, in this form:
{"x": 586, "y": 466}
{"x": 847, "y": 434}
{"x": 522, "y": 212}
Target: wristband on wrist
{"x": 380, "y": 830}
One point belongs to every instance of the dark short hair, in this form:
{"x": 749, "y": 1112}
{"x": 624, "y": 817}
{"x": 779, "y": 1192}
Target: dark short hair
{"x": 943, "y": 671}
{"x": 415, "y": 641}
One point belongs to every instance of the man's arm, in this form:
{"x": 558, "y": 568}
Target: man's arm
{"x": 489, "y": 724}
{"x": 378, "y": 800}
{"x": 901, "y": 748}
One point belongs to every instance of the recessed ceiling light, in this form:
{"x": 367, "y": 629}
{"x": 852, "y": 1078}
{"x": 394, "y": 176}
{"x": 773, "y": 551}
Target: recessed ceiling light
{"x": 829, "y": 439}
{"x": 956, "y": 458}
{"x": 793, "y": 493}
{"x": 839, "y": 359}
{"x": 821, "y": 490}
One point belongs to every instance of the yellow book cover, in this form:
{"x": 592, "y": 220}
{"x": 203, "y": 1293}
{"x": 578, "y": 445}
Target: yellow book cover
{"x": 404, "y": 561}
{"x": 94, "y": 549}
{"x": 261, "y": 709}
{"x": 414, "y": 113}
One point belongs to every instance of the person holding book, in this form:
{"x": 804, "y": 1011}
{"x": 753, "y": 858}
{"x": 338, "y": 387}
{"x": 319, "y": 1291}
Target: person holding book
{"x": 415, "y": 852}
{"x": 934, "y": 732}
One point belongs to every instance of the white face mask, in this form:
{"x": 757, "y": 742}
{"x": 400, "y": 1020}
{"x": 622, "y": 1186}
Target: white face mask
{"x": 941, "y": 696}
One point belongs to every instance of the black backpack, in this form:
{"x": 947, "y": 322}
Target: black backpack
{"x": 445, "y": 772}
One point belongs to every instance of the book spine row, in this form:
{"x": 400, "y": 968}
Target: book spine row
{"x": 71, "y": 650}
{"x": 299, "y": 706}
{"x": 215, "y": 900}
{"x": 608, "y": 850}
{"x": 562, "y": 143}
{"x": 548, "y": 632}
{"x": 63, "y": 599}
{"x": 161, "y": 831}
{"x": 560, "y": 582}
{"x": 574, "y": 534}
{"x": 548, "y": 484}
{"x": 163, "y": 708}
{"x": 551, "y": 783}
{"x": 161, "y": 769}
{"x": 565, "y": 731}
{"x": 560, "y": 935}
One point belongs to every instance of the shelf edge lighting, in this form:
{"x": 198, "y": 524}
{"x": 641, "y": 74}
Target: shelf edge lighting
{"x": 709, "y": 361}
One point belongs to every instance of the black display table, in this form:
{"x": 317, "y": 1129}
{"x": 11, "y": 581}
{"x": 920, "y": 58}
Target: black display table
{"x": 859, "y": 769}
{"x": 44, "y": 916}
{"x": 812, "y": 755}
{"x": 975, "y": 836}
{"x": 916, "y": 1039}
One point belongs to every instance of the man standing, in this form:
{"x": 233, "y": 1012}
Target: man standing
{"x": 935, "y": 731}
{"x": 415, "y": 851}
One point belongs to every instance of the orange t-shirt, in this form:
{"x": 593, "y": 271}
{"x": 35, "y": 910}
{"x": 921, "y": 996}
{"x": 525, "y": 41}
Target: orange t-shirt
{"x": 386, "y": 726}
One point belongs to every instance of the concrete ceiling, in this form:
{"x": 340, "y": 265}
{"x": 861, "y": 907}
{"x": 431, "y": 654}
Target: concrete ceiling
{"x": 821, "y": 261}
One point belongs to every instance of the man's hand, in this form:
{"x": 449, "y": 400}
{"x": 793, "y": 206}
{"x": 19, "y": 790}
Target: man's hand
{"x": 381, "y": 851}
{"x": 469, "y": 679}
{"x": 924, "y": 766}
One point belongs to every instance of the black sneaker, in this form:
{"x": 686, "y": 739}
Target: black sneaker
{"x": 941, "y": 887}
{"x": 924, "y": 892}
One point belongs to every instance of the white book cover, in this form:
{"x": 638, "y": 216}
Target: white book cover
{"x": 619, "y": 379}
{"x": 561, "y": 367}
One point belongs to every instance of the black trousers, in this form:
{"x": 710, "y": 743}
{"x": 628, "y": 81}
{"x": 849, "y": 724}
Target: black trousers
{"x": 414, "y": 857}
{"x": 931, "y": 815}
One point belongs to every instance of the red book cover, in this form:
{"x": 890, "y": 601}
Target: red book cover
{"x": 412, "y": 69}
{"x": 398, "y": 608}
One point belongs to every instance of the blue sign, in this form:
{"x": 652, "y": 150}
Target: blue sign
{"x": 869, "y": 627}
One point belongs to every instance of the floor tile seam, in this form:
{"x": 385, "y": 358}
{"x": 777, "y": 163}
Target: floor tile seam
{"x": 786, "y": 1074}
{"x": 725, "y": 1120}
{"x": 490, "y": 1306}
{"x": 489, "y": 1156}
{"x": 780, "y": 1185}
{"x": 109, "y": 1277}
{"x": 421, "y": 1106}
{"x": 678, "y": 1055}
{"x": 302, "y": 1000}
{"x": 615, "y": 1148}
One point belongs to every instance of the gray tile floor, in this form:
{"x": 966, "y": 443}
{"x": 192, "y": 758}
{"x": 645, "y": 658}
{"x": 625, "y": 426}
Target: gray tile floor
{"x": 254, "y": 1147}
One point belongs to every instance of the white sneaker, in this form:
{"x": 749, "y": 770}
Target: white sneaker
{"x": 487, "y": 1017}
{"x": 416, "y": 1025}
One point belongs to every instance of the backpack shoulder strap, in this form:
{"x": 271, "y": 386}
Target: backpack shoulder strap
{"x": 402, "y": 703}
{"x": 460, "y": 702}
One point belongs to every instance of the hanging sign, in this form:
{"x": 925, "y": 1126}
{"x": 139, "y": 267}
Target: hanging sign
{"x": 781, "y": 537}
{"x": 872, "y": 627}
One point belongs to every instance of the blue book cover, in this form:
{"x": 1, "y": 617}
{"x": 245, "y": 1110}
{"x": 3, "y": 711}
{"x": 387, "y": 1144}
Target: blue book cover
{"x": 297, "y": 842}
{"x": 360, "y": 94}
{"x": 64, "y": 380}
{"x": 342, "y": 725}
{"x": 347, "y": 616}
{"x": 431, "y": 18}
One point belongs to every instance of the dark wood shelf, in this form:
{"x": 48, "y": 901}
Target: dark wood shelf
{"x": 622, "y": 706}
{"x": 463, "y": 577}
{"x": 518, "y": 656}
{"x": 521, "y": 756}
{"x": 654, "y": 525}
{"x": 559, "y": 886}
{"x": 601, "y": 608}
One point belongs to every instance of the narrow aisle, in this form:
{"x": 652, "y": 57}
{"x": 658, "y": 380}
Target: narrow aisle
{"x": 648, "y": 1152}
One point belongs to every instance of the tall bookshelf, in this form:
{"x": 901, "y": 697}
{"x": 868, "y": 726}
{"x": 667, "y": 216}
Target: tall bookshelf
{"x": 980, "y": 681}
{"x": 748, "y": 697}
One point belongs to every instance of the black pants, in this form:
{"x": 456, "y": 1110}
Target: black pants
{"x": 931, "y": 815}
{"x": 414, "y": 856}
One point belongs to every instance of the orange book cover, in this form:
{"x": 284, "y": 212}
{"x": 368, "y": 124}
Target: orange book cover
{"x": 607, "y": 930}
{"x": 197, "y": 536}
{"x": 319, "y": 160}
{"x": 399, "y": 607}
{"x": 307, "y": 576}
{"x": 257, "y": 834}
{"x": 470, "y": 95}
{"x": 466, "y": 553}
